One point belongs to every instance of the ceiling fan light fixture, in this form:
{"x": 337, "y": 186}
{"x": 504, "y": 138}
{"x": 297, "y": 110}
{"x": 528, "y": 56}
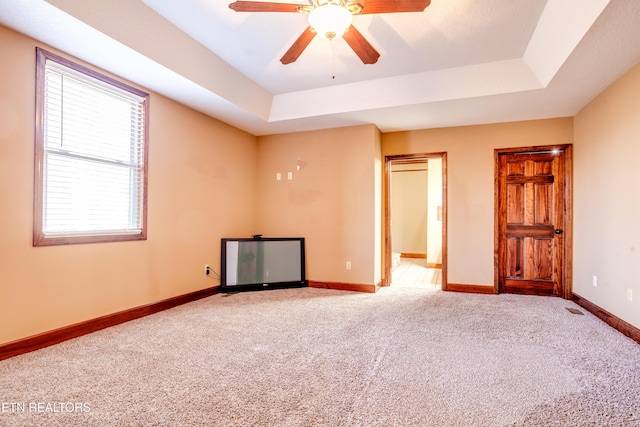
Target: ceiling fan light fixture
{"x": 330, "y": 20}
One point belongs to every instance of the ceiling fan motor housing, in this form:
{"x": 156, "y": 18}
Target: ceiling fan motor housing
{"x": 330, "y": 20}
{"x": 351, "y": 5}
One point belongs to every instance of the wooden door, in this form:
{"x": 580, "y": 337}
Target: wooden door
{"x": 531, "y": 235}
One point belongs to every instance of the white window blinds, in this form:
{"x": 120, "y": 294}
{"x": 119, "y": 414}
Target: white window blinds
{"x": 93, "y": 156}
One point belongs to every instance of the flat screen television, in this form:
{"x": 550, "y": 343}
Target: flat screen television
{"x": 250, "y": 264}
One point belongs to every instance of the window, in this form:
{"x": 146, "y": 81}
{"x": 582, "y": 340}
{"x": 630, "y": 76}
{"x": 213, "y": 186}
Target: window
{"x": 90, "y": 156}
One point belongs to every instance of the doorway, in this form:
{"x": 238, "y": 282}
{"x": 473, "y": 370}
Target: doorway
{"x": 533, "y": 226}
{"x": 415, "y": 220}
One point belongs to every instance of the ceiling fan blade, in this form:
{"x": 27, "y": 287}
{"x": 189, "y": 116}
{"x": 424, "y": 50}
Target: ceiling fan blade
{"x": 259, "y": 6}
{"x": 361, "y": 46}
{"x": 392, "y": 6}
{"x": 298, "y": 46}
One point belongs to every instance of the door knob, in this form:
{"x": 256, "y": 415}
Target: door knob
{"x": 558, "y": 231}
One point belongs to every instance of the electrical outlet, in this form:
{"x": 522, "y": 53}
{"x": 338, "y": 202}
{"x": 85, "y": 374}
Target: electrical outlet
{"x": 629, "y": 294}
{"x": 206, "y": 269}
{"x": 595, "y": 281}
{"x": 348, "y": 265}
{"x": 289, "y": 175}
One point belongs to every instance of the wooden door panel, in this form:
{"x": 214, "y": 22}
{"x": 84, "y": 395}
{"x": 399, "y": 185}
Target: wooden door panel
{"x": 543, "y": 168}
{"x": 529, "y": 287}
{"x": 515, "y": 204}
{"x": 515, "y": 168}
{"x": 528, "y": 213}
{"x": 515, "y": 258}
{"x": 543, "y": 207}
{"x": 543, "y": 259}
{"x": 538, "y": 265}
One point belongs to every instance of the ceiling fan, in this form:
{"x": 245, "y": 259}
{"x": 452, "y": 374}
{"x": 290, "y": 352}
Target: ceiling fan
{"x": 331, "y": 19}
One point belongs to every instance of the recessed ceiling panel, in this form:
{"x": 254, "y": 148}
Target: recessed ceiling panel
{"x": 447, "y": 34}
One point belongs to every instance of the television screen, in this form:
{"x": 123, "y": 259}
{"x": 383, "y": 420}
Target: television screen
{"x": 262, "y": 263}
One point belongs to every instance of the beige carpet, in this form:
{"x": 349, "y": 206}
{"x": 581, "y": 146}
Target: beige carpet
{"x": 317, "y": 357}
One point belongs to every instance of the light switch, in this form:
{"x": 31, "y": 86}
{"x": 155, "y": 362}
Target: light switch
{"x": 278, "y": 176}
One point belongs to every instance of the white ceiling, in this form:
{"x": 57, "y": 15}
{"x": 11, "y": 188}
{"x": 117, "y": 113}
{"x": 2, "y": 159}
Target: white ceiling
{"x": 459, "y": 62}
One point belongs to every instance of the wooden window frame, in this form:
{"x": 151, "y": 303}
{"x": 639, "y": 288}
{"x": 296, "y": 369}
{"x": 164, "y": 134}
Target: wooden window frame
{"x": 39, "y": 236}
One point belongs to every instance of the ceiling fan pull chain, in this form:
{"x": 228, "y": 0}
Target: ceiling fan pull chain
{"x": 333, "y": 61}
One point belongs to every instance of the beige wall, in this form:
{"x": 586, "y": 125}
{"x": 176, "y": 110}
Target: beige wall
{"x": 409, "y": 208}
{"x": 333, "y": 200}
{"x": 470, "y": 166}
{"x": 607, "y": 199}
{"x": 201, "y": 187}
{"x": 378, "y": 166}
{"x": 434, "y": 223}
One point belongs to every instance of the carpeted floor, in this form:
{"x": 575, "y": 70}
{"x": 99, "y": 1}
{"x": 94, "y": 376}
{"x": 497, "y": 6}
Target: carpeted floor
{"x": 317, "y": 357}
